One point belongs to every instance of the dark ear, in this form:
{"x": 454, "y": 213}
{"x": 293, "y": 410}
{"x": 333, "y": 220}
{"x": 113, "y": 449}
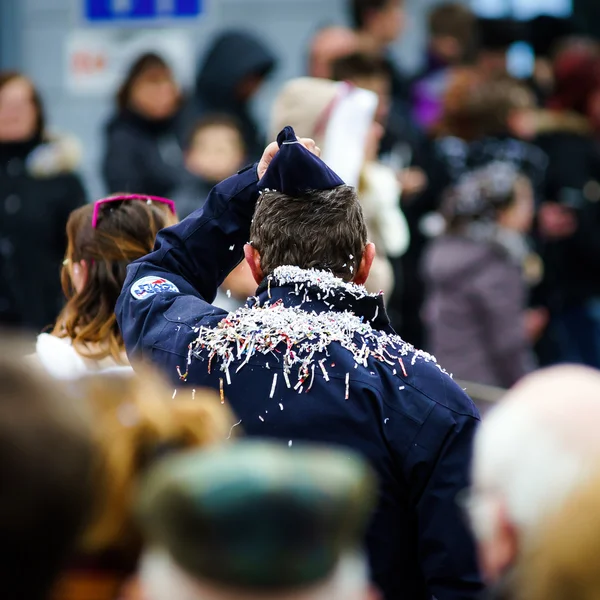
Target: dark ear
{"x": 366, "y": 262}
{"x": 253, "y": 259}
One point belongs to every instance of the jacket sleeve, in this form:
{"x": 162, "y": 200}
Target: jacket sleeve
{"x": 189, "y": 262}
{"x": 498, "y": 294}
{"x": 446, "y": 547}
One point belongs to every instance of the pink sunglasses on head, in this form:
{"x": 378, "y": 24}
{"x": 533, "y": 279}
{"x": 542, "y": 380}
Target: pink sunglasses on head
{"x": 128, "y": 198}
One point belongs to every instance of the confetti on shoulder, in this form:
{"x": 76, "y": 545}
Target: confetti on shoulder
{"x": 324, "y": 280}
{"x": 298, "y": 339}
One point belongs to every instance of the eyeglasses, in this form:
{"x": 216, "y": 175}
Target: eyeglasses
{"x": 128, "y": 198}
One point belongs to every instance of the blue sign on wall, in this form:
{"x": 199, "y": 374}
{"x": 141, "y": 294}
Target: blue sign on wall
{"x": 131, "y": 10}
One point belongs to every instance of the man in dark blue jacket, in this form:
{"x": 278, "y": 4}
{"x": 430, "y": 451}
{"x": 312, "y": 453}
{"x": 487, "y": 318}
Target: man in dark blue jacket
{"x": 312, "y": 356}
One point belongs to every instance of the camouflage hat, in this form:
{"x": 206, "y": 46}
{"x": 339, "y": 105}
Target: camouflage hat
{"x": 258, "y": 515}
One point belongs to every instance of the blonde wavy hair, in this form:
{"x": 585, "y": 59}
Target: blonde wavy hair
{"x": 137, "y": 421}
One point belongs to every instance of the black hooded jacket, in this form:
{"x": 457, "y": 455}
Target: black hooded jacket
{"x": 38, "y": 190}
{"x": 233, "y": 57}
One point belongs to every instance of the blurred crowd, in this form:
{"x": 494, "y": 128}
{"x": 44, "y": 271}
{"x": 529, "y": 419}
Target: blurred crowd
{"x": 481, "y": 191}
{"x": 481, "y": 194}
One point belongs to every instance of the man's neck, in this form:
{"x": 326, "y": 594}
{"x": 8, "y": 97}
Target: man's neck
{"x": 370, "y": 44}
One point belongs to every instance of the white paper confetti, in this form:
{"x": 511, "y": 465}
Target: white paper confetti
{"x": 273, "y": 385}
{"x": 232, "y": 427}
{"x": 297, "y": 338}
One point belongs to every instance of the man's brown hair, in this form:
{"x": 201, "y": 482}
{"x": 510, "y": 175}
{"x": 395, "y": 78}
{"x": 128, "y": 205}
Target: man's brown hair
{"x": 322, "y": 229}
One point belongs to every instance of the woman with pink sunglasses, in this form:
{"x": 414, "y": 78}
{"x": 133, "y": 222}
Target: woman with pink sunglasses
{"x": 103, "y": 238}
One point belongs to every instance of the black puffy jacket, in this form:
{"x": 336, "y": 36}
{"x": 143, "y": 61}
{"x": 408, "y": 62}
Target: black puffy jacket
{"x": 37, "y": 194}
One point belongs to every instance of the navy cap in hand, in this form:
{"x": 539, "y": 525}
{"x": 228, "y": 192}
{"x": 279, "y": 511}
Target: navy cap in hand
{"x": 295, "y": 170}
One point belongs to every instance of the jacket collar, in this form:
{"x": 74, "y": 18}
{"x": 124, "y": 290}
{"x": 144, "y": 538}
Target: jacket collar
{"x": 321, "y": 291}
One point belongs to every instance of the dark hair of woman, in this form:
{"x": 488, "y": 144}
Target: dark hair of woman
{"x": 125, "y": 231}
{"x": 146, "y": 62}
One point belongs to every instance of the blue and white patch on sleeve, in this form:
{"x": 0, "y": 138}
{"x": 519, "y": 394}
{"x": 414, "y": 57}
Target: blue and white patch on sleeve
{"x": 148, "y": 286}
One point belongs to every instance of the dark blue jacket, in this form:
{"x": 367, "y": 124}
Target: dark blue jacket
{"x": 415, "y": 428}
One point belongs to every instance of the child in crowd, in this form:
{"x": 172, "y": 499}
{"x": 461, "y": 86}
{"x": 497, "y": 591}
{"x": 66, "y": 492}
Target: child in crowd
{"x": 477, "y": 276}
{"x": 216, "y": 151}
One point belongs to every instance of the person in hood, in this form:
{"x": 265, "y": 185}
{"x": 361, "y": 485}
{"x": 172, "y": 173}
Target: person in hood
{"x": 103, "y": 238}
{"x": 312, "y": 356}
{"x": 475, "y": 278}
{"x": 143, "y": 153}
{"x": 233, "y": 70}
{"x": 38, "y": 190}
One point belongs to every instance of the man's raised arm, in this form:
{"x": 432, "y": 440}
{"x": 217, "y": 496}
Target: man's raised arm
{"x": 189, "y": 262}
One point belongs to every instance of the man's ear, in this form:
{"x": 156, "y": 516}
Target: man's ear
{"x": 366, "y": 262}
{"x": 253, "y": 260}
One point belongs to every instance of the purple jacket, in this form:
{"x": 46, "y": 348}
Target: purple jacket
{"x": 475, "y": 307}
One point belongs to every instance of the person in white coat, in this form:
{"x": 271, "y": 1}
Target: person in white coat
{"x": 103, "y": 238}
